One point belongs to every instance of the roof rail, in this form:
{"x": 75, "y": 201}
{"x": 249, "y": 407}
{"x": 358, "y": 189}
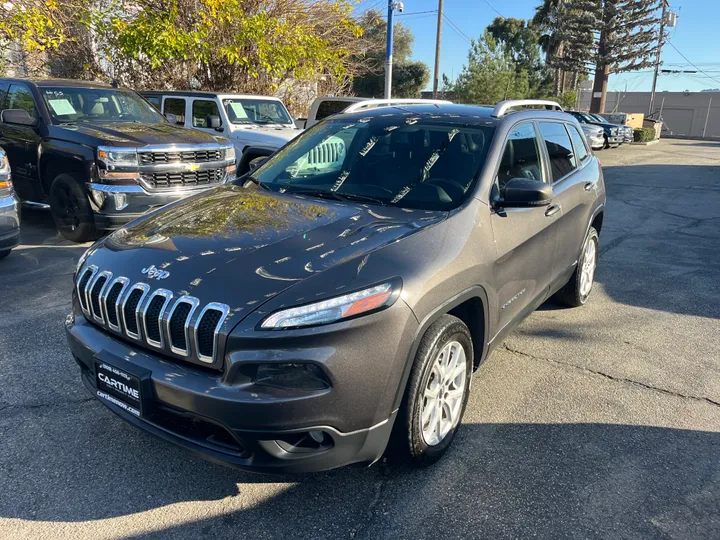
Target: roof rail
{"x": 502, "y": 108}
{"x": 374, "y": 103}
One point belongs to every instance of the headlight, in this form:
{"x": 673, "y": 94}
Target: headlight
{"x": 5, "y": 182}
{"x": 117, "y": 157}
{"x": 230, "y": 153}
{"x": 334, "y": 309}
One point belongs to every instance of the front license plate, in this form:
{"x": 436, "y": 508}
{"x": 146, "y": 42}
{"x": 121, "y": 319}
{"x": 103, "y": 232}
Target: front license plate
{"x": 118, "y": 387}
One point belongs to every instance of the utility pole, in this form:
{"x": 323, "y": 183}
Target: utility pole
{"x": 436, "y": 78}
{"x": 392, "y": 6}
{"x": 657, "y": 59}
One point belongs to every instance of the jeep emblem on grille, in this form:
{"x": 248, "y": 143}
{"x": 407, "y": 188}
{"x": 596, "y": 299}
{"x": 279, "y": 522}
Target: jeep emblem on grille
{"x": 155, "y": 273}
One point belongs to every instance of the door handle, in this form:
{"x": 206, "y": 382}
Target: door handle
{"x": 589, "y": 186}
{"x": 552, "y": 210}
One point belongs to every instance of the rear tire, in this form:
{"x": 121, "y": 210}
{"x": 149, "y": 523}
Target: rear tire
{"x": 577, "y": 291}
{"x": 436, "y": 394}
{"x": 71, "y": 210}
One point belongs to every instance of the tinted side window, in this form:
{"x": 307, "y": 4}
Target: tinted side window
{"x": 155, "y": 100}
{"x": 326, "y": 108}
{"x": 175, "y": 106}
{"x": 521, "y": 158}
{"x": 559, "y": 148}
{"x": 19, "y": 97}
{"x": 579, "y": 143}
{"x": 201, "y": 108}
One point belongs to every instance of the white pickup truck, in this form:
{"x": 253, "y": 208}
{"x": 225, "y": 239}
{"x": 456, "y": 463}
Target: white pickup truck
{"x": 256, "y": 125}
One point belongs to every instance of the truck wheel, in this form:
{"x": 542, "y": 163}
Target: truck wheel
{"x": 436, "y": 394}
{"x": 70, "y": 209}
{"x": 607, "y": 142}
{"x": 576, "y": 292}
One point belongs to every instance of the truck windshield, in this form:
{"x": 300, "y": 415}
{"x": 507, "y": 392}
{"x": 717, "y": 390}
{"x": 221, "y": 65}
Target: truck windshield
{"x": 397, "y": 159}
{"x": 98, "y": 105}
{"x": 256, "y": 111}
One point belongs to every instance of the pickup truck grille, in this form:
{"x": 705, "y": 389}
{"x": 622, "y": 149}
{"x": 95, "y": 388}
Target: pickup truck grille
{"x": 162, "y": 180}
{"x": 178, "y": 326}
{"x": 191, "y": 156}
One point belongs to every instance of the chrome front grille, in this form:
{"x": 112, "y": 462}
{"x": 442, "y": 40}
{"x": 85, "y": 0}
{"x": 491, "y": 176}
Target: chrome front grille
{"x": 163, "y": 180}
{"x": 181, "y": 156}
{"x": 157, "y": 319}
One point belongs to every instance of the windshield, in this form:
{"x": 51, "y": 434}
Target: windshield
{"x": 70, "y": 105}
{"x": 599, "y": 118}
{"x": 256, "y": 111}
{"x": 395, "y": 159}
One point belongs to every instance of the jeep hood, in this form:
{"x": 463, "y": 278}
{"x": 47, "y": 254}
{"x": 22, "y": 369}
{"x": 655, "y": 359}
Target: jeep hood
{"x": 136, "y": 134}
{"x": 242, "y": 246}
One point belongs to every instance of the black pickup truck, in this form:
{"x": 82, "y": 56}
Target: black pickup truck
{"x": 100, "y": 156}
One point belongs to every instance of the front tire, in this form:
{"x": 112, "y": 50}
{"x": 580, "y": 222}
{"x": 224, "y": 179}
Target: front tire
{"x": 576, "y": 292}
{"x": 436, "y": 394}
{"x": 70, "y": 209}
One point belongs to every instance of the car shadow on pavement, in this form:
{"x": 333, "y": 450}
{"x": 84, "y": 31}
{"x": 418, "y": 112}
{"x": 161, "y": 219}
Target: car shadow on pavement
{"x": 498, "y": 481}
{"x": 42, "y": 249}
{"x": 661, "y": 238}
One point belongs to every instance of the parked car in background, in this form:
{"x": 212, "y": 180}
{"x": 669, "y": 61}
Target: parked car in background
{"x": 256, "y": 125}
{"x": 100, "y": 156}
{"x": 306, "y": 318}
{"x": 625, "y": 131}
{"x": 325, "y": 107}
{"x": 9, "y": 210}
{"x": 612, "y": 134}
{"x": 595, "y": 136}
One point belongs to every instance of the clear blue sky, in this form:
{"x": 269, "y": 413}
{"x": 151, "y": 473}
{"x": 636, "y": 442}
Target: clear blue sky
{"x": 696, "y": 37}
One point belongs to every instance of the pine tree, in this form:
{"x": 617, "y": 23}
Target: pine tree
{"x": 614, "y": 36}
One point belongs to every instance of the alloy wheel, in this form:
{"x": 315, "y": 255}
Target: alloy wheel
{"x": 444, "y": 393}
{"x": 587, "y": 272}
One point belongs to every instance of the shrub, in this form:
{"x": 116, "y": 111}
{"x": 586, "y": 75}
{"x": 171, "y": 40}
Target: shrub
{"x": 644, "y": 134}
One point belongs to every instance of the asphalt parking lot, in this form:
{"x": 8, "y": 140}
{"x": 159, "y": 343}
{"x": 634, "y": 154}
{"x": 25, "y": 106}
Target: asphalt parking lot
{"x": 600, "y": 422}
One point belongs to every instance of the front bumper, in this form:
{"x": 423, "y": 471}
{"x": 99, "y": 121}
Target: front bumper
{"x": 229, "y": 419}
{"x": 615, "y": 140}
{"x": 9, "y": 222}
{"x": 117, "y": 205}
{"x": 596, "y": 142}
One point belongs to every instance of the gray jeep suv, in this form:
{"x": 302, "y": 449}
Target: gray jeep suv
{"x": 333, "y": 306}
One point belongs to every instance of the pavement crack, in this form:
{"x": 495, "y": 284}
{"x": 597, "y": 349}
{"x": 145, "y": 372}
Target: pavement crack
{"x": 614, "y": 378}
{"x": 36, "y": 406}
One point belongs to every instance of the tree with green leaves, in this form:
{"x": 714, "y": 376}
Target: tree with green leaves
{"x": 491, "y": 75}
{"x": 409, "y": 77}
{"x": 521, "y": 39}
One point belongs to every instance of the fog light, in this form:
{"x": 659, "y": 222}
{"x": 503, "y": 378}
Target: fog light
{"x": 120, "y": 201}
{"x": 299, "y": 376}
{"x": 317, "y": 436}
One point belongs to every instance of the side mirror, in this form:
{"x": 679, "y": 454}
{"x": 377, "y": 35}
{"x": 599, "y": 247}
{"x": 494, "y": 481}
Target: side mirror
{"x": 171, "y": 118}
{"x": 526, "y": 193}
{"x": 213, "y": 121}
{"x": 255, "y": 163}
{"x": 17, "y": 116}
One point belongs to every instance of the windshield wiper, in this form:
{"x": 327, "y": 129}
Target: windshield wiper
{"x": 257, "y": 182}
{"x": 334, "y": 195}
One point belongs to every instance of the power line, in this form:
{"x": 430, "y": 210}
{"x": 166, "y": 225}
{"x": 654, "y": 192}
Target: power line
{"x": 456, "y": 28}
{"x": 689, "y": 62}
{"x": 493, "y": 8}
